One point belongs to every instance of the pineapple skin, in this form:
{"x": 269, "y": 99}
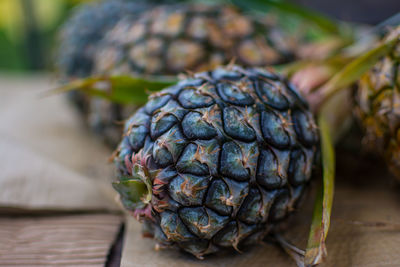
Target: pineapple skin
{"x": 226, "y": 155}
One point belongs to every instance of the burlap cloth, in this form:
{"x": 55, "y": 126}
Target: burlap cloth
{"x": 49, "y": 163}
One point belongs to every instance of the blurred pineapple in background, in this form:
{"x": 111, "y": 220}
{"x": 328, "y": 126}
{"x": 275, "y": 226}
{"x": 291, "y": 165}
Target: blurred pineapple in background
{"x": 154, "y": 38}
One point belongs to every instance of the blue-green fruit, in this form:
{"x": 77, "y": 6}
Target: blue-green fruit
{"x": 217, "y": 160}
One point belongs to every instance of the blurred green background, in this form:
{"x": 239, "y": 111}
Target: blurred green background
{"x": 28, "y": 27}
{"x": 28, "y": 32}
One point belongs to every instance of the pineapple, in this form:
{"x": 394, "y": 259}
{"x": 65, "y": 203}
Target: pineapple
{"x": 218, "y": 160}
{"x": 378, "y": 107}
{"x": 172, "y": 39}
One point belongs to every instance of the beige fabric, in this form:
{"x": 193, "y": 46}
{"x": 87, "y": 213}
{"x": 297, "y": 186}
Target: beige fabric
{"x": 31, "y": 181}
{"x": 47, "y": 159}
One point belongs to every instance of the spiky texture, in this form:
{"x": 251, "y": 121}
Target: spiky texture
{"x": 172, "y": 39}
{"x": 227, "y": 155}
{"x": 378, "y": 108}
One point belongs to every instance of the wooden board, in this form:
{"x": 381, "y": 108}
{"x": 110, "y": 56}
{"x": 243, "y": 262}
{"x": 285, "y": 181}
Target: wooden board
{"x": 71, "y": 240}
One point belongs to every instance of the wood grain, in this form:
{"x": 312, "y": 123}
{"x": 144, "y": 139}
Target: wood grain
{"x": 73, "y": 240}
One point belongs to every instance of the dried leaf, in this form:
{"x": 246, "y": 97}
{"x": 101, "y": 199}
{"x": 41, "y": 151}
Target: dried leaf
{"x": 316, "y": 250}
{"x": 295, "y": 253}
{"x": 352, "y": 71}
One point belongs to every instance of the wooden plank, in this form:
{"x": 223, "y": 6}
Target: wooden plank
{"x": 73, "y": 240}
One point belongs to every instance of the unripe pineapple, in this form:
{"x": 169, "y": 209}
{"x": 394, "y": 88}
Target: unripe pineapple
{"x": 378, "y": 107}
{"x": 217, "y": 160}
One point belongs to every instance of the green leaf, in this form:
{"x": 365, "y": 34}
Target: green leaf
{"x": 118, "y": 89}
{"x": 319, "y": 20}
{"x": 316, "y": 249}
{"x": 353, "y": 71}
{"x": 131, "y": 189}
{"x": 142, "y": 173}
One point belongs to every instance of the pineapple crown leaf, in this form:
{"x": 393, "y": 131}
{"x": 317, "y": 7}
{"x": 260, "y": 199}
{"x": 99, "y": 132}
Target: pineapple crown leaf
{"x": 117, "y": 89}
{"x": 351, "y": 72}
{"x": 360, "y": 65}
